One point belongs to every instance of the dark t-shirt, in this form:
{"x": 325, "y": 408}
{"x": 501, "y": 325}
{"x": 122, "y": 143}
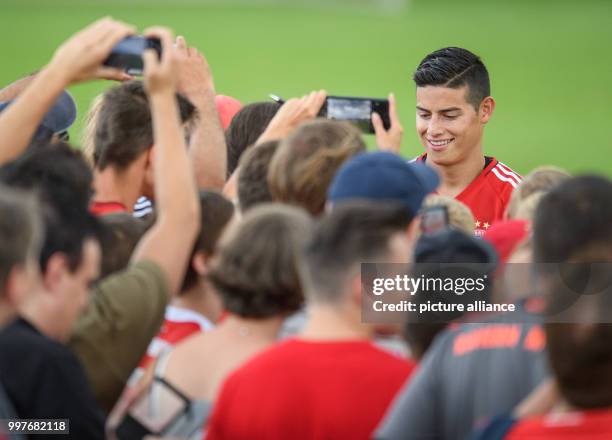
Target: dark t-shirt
{"x": 472, "y": 372}
{"x": 44, "y": 380}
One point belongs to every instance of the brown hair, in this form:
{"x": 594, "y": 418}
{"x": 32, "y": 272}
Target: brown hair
{"x": 246, "y": 127}
{"x": 123, "y": 129}
{"x": 541, "y": 179}
{"x": 215, "y": 213}
{"x": 305, "y": 164}
{"x": 255, "y": 269}
{"x": 253, "y": 175}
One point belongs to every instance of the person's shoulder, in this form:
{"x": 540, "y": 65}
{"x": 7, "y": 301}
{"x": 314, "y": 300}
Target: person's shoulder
{"x": 501, "y": 177}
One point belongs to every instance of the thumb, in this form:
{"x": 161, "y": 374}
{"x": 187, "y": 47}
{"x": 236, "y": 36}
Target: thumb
{"x": 149, "y": 58}
{"x": 377, "y": 124}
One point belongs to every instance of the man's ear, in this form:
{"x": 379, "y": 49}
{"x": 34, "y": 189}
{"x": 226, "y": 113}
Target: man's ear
{"x": 356, "y": 289}
{"x": 487, "y": 106}
{"x": 199, "y": 262}
{"x": 57, "y": 268}
{"x": 149, "y": 169}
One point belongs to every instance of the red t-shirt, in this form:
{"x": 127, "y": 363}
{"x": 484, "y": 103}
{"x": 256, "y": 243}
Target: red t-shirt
{"x": 489, "y": 193}
{"x": 305, "y": 390}
{"x": 593, "y": 425}
{"x": 103, "y": 208}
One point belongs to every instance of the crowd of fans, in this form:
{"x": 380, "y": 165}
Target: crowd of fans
{"x": 193, "y": 269}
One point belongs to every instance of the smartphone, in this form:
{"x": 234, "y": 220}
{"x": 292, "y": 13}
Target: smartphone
{"x": 434, "y": 219}
{"x": 355, "y": 110}
{"x": 127, "y": 54}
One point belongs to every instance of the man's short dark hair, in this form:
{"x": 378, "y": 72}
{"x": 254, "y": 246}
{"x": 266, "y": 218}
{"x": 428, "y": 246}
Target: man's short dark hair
{"x": 455, "y": 67}
{"x": 246, "y": 127}
{"x": 124, "y": 129}
{"x": 353, "y": 233}
{"x": 215, "y": 213}
{"x": 574, "y": 216}
{"x": 253, "y": 186}
{"x": 62, "y": 180}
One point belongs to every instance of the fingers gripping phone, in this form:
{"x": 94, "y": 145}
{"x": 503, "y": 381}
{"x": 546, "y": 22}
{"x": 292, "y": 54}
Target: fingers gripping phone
{"x": 434, "y": 219}
{"x": 355, "y": 110}
{"x": 127, "y": 54}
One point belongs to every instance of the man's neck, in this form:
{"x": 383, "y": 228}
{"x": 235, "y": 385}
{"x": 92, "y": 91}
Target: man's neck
{"x": 112, "y": 186}
{"x": 332, "y": 323}
{"x": 457, "y": 177}
{"x": 201, "y": 301}
{"x": 37, "y": 314}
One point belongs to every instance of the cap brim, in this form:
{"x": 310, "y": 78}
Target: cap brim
{"x": 59, "y": 117}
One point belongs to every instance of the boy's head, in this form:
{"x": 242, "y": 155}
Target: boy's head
{"x": 124, "y": 130}
{"x": 453, "y": 104}
{"x": 70, "y": 256}
{"x": 246, "y": 127}
{"x": 253, "y": 186}
{"x": 305, "y": 163}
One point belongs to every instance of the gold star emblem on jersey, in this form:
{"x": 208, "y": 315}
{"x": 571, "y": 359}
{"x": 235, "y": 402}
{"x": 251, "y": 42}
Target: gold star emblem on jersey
{"x": 486, "y": 225}
{"x": 477, "y": 224}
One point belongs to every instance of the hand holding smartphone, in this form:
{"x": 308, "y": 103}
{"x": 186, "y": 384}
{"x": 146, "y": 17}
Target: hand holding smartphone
{"x": 127, "y": 54}
{"x": 358, "y": 111}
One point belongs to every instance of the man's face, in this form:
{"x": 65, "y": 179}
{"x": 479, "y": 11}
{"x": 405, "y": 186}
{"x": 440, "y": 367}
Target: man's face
{"x": 76, "y": 286}
{"x": 449, "y": 127}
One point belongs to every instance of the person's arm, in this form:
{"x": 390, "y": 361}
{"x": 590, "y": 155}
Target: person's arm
{"x": 78, "y": 59}
{"x": 389, "y": 140}
{"x": 207, "y": 147}
{"x": 169, "y": 242}
{"x": 14, "y": 89}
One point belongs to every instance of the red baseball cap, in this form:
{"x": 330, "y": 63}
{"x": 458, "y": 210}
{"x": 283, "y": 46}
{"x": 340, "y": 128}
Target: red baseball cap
{"x": 227, "y": 107}
{"x": 506, "y": 235}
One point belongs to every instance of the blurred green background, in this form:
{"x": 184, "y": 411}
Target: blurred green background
{"x": 550, "y": 61}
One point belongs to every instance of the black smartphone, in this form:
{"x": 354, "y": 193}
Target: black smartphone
{"x": 434, "y": 219}
{"x": 355, "y": 110}
{"x": 127, "y": 54}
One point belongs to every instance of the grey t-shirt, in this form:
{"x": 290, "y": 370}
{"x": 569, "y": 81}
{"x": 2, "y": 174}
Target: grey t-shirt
{"x": 471, "y": 373}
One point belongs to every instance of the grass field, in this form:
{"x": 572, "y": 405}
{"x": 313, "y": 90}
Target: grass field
{"x": 550, "y": 61}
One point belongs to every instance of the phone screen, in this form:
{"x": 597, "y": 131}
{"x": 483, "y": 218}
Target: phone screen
{"x": 434, "y": 219}
{"x": 349, "y": 109}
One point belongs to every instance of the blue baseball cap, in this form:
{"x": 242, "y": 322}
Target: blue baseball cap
{"x": 59, "y": 117}
{"x": 383, "y": 176}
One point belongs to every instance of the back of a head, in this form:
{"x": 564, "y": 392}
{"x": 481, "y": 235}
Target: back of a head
{"x": 353, "y": 233}
{"x": 246, "y": 127}
{"x": 455, "y": 67}
{"x": 124, "y": 129}
{"x": 305, "y": 163}
{"x": 21, "y": 231}
{"x": 538, "y": 181}
{"x": 574, "y": 216}
{"x": 215, "y": 214}
{"x": 455, "y": 247}
{"x": 459, "y": 215}
{"x": 253, "y": 176}
{"x": 124, "y": 231}
{"x": 255, "y": 268}
{"x": 62, "y": 180}
{"x": 579, "y": 349}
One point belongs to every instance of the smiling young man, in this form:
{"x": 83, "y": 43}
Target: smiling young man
{"x": 453, "y": 107}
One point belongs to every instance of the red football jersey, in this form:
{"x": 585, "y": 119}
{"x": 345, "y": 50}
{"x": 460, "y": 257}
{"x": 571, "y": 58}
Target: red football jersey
{"x": 309, "y": 389}
{"x": 489, "y": 193}
{"x": 594, "y": 424}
